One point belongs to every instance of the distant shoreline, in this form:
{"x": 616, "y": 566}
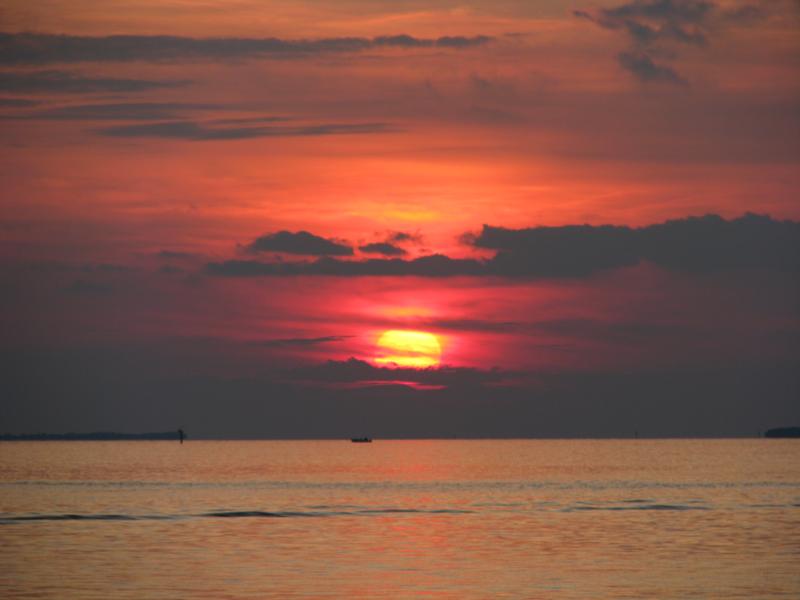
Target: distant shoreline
{"x": 175, "y": 436}
{"x": 100, "y": 436}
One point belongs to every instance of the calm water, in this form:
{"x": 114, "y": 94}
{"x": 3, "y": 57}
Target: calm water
{"x": 400, "y": 519}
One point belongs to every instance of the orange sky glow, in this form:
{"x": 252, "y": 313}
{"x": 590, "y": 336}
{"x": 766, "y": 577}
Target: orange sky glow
{"x": 277, "y": 184}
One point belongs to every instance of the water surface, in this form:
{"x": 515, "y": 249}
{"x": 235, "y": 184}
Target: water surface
{"x": 399, "y": 519}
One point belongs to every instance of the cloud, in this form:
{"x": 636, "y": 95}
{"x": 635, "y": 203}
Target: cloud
{"x": 697, "y": 244}
{"x": 301, "y": 242}
{"x": 198, "y": 132}
{"x": 353, "y": 371}
{"x": 66, "y": 82}
{"x": 694, "y": 244}
{"x": 480, "y": 325}
{"x": 644, "y": 69}
{"x": 435, "y": 265}
{"x": 301, "y": 342}
{"x": 384, "y": 248}
{"x": 43, "y": 48}
{"x": 123, "y": 111}
{"x": 654, "y": 27}
{"x": 402, "y": 237}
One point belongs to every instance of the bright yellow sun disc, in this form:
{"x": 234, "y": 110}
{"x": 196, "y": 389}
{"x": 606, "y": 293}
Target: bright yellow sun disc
{"x": 416, "y": 349}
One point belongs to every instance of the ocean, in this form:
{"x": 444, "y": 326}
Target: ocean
{"x": 456, "y": 519}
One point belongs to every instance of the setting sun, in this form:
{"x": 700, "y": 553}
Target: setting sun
{"x": 416, "y": 349}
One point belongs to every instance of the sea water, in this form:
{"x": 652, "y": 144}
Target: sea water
{"x": 401, "y": 519}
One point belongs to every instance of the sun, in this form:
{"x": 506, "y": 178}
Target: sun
{"x": 415, "y": 349}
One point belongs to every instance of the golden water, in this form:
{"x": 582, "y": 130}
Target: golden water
{"x": 400, "y": 519}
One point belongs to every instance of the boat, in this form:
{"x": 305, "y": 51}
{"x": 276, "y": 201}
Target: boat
{"x": 361, "y": 440}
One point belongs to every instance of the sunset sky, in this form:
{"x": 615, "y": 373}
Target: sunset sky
{"x": 400, "y": 218}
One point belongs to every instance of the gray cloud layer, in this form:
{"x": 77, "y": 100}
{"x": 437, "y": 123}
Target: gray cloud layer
{"x": 145, "y": 388}
{"x": 694, "y": 244}
{"x": 40, "y": 48}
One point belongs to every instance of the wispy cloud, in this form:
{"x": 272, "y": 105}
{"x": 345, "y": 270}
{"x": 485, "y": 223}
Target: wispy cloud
{"x": 199, "y": 131}
{"x": 302, "y": 342}
{"x": 74, "y": 83}
{"x": 43, "y": 48}
{"x": 654, "y": 27}
{"x": 124, "y": 111}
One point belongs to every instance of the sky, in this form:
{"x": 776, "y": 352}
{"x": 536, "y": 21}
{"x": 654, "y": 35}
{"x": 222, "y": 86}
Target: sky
{"x": 396, "y": 218}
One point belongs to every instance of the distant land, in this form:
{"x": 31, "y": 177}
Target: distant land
{"x": 783, "y": 432}
{"x": 95, "y": 436}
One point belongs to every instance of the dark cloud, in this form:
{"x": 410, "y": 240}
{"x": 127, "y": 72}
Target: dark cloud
{"x": 175, "y": 255}
{"x": 124, "y": 111}
{"x": 644, "y": 69}
{"x": 354, "y": 370}
{"x": 301, "y": 242}
{"x": 198, "y": 132}
{"x": 694, "y": 244}
{"x": 39, "y": 48}
{"x": 653, "y": 26}
{"x": 402, "y": 237}
{"x": 301, "y": 342}
{"x": 435, "y": 265}
{"x": 384, "y": 248}
{"x": 155, "y": 386}
{"x": 66, "y": 82}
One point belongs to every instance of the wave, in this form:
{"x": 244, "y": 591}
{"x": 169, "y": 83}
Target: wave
{"x": 634, "y": 505}
{"x": 227, "y": 514}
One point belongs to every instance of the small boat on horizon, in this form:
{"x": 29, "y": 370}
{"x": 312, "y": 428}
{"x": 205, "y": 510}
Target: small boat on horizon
{"x": 361, "y": 440}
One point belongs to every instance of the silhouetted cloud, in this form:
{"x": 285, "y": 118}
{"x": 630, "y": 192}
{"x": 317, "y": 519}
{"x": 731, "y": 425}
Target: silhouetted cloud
{"x": 436, "y": 265}
{"x": 699, "y": 244}
{"x": 354, "y": 370}
{"x": 300, "y": 342}
{"x": 196, "y": 131}
{"x": 66, "y": 82}
{"x": 384, "y": 248}
{"x": 692, "y": 244}
{"x": 43, "y": 48}
{"x": 653, "y": 25}
{"x": 301, "y": 242}
{"x": 402, "y": 237}
{"x": 643, "y": 67}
